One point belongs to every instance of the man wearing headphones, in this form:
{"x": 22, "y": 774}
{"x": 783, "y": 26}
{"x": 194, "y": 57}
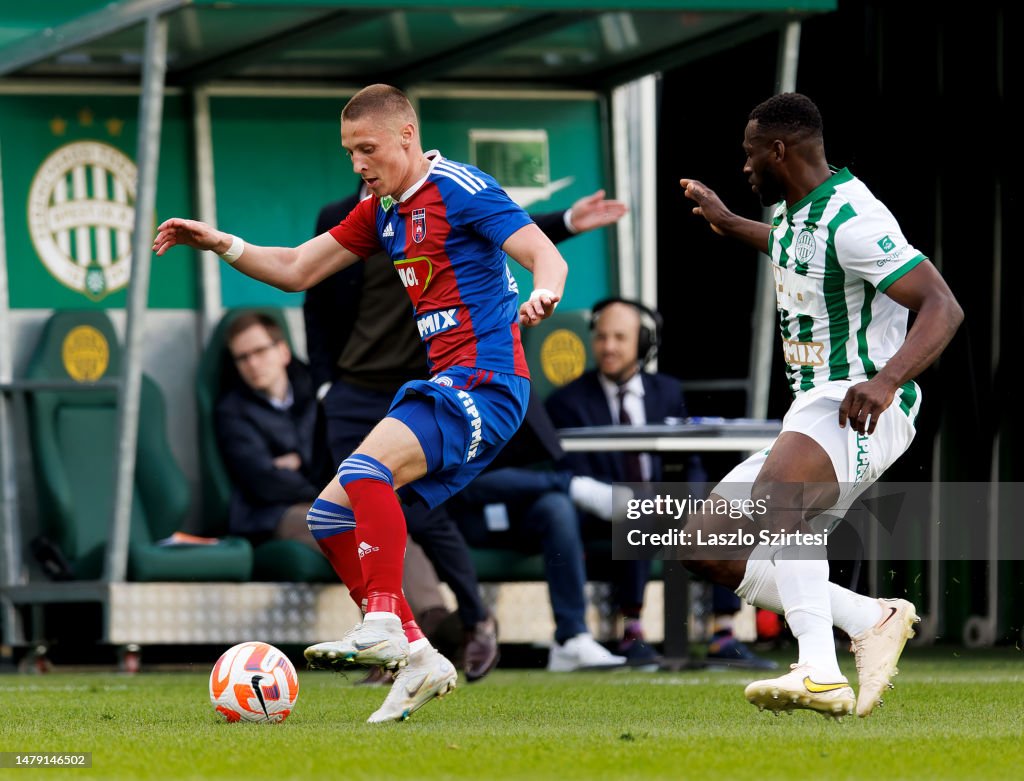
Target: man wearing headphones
{"x": 625, "y": 337}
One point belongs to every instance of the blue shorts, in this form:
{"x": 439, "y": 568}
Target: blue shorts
{"x": 462, "y": 418}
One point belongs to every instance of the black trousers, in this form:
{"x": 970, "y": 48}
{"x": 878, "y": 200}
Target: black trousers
{"x": 350, "y": 414}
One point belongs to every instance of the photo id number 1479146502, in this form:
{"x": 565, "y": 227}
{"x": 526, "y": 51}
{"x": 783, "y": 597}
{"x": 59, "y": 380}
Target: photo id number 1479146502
{"x": 45, "y": 759}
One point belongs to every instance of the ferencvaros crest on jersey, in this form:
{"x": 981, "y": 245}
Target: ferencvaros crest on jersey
{"x": 81, "y": 211}
{"x": 805, "y": 246}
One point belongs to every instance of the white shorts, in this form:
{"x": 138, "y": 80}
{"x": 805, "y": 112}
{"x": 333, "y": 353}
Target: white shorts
{"x": 858, "y": 459}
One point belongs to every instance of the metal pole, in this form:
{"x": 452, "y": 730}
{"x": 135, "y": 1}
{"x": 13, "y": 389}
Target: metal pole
{"x": 209, "y": 269}
{"x": 10, "y": 519}
{"x": 148, "y": 154}
{"x": 764, "y": 303}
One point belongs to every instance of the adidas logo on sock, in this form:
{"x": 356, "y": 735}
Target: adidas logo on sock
{"x": 366, "y": 549}
{"x": 389, "y": 231}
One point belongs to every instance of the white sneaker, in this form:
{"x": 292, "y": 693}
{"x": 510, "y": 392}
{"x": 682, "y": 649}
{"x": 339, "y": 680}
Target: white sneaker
{"x": 803, "y": 688}
{"x": 581, "y": 653}
{"x": 598, "y": 498}
{"x": 877, "y": 650}
{"x": 428, "y": 675}
{"x": 373, "y": 643}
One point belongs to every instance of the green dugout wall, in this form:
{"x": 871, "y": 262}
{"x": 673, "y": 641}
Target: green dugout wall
{"x": 78, "y": 150}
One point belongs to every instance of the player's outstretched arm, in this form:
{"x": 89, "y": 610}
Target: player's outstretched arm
{"x": 288, "y": 268}
{"x": 722, "y": 221}
{"x": 938, "y": 316}
{"x": 529, "y": 247}
{"x": 595, "y": 211}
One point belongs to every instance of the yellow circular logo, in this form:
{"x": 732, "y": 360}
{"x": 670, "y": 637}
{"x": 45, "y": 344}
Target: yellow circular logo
{"x": 562, "y": 356}
{"x": 85, "y": 353}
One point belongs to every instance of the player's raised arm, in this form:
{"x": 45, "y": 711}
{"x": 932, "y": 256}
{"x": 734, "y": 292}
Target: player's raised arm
{"x": 722, "y": 221}
{"x": 287, "y": 268}
{"x": 529, "y": 247}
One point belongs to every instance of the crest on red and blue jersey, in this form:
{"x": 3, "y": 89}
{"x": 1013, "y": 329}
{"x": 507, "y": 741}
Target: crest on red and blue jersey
{"x": 419, "y": 225}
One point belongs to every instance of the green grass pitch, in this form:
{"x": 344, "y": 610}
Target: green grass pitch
{"x": 953, "y": 715}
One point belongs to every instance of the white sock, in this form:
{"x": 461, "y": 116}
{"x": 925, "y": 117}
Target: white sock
{"x": 592, "y": 496}
{"x": 801, "y": 575}
{"x": 851, "y": 612}
{"x": 382, "y": 615}
{"x": 758, "y": 584}
{"x": 418, "y": 645}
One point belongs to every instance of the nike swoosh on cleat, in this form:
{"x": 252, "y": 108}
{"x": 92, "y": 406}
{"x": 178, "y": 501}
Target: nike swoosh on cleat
{"x": 413, "y": 690}
{"x": 892, "y": 612}
{"x": 366, "y": 646}
{"x": 820, "y": 688}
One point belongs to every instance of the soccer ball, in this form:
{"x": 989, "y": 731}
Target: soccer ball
{"x": 253, "y": 682}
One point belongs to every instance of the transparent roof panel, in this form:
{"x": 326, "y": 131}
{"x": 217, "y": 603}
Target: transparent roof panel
{"x": 408, "y": 42}
{"x": 368, "y": 45}
{"x": 597, "y": 43}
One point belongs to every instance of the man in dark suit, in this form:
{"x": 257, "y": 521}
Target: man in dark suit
{"x": 265, "y": 429}
{"x": 625, "y": 338}
{"x": 362, "y": 347}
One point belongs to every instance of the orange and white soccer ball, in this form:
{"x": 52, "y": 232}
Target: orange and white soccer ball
{"x": 253, "y": 682}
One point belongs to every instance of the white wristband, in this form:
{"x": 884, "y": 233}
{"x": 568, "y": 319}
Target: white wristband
{"x": 567, "y": 219}
{"x": 235, "y": 250}
{"x": 543, "y": 291}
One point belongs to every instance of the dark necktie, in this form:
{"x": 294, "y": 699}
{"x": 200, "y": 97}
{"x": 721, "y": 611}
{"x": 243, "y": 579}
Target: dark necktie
{"x": 630, "y": 459}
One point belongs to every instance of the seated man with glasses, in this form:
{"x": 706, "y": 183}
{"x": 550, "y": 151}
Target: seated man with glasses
{"x": 266, "y": 425}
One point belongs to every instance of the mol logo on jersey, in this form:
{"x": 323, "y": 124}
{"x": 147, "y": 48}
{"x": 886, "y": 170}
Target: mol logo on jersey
{"x": 803, "y": 353}
{"x": 81, "y": 213}
{"x": 415, "y": 274}
{"x": 437, "y": 322}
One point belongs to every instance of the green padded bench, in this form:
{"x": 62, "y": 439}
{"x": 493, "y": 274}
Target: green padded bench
{"x": 73, "y": 449}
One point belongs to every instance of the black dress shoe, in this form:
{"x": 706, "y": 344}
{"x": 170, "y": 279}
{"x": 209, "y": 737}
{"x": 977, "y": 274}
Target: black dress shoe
{"x": 480, "y": 652}
{"x": 639, "y": 654}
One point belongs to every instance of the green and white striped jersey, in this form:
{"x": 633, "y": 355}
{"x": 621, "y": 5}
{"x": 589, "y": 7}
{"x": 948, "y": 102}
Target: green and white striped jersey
{"x": 834, "y": 253}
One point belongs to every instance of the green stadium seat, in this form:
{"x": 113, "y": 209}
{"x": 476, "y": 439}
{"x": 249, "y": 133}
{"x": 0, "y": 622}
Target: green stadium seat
{"x": 276, "y": 560}
{"x": 499, "y": 565}
{"x": 558, "y": 350}
{"x": 288, "y": 561}
{"x": 73, "y": 448}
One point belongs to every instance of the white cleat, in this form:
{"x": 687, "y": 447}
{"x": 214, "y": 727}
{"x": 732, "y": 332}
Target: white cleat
{"x": 582, "y": 652}
{"x": 428, "y": 675}
{"x": 802, "y": 688}
{"x": 877, "y": 651}
{"x": 373, "y": 643}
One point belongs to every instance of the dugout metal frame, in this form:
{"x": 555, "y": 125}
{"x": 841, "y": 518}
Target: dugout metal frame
{"x": 56, "y": 54}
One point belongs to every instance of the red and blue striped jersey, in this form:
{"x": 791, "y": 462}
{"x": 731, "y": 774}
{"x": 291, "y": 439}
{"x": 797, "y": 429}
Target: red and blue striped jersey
{"x": 444, "y": 237}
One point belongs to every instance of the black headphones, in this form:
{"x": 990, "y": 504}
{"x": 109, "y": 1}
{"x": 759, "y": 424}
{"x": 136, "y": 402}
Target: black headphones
{"x": 650, "y": 326}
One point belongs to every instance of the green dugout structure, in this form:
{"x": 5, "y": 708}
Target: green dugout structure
{"x": 117, "y": 115}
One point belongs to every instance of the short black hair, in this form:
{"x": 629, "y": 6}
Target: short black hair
{"x": 790, "y": 114}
